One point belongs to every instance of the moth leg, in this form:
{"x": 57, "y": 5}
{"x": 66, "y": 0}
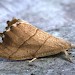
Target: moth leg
{"x": 32, "y": 60}
{"x": 67, "y": 56}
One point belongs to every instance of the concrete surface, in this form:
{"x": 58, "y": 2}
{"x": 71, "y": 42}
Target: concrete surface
{"x": 56, "y": 17}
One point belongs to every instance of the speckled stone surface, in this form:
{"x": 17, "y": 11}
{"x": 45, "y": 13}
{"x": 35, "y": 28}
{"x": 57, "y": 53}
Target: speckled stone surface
{"x": 56, "y": 17}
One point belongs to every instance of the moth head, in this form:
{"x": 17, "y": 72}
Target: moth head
{"x": 10, "y": 23}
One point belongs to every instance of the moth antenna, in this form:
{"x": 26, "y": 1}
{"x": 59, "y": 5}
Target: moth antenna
{"x": 72, "y": 45}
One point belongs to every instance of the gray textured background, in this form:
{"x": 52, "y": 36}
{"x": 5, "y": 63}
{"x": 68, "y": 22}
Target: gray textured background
{"x": 56, "y": 17}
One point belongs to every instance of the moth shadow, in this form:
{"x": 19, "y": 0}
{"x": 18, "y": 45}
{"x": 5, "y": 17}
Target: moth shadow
{"x": 59, "y": 55}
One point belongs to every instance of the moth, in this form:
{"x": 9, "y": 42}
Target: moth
{"x": 22, "y": 41}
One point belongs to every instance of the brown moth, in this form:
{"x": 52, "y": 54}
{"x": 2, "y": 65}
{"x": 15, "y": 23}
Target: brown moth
{"x": 23, "y": 41}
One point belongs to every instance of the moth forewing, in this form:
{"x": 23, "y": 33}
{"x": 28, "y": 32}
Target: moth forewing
{"x": 24, "y": 41}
